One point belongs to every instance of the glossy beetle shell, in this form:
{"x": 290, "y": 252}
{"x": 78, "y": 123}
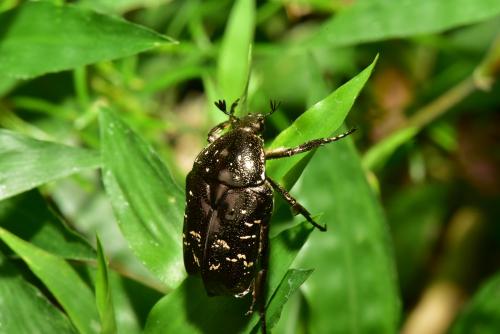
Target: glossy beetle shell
{"x": 228, "y": 202}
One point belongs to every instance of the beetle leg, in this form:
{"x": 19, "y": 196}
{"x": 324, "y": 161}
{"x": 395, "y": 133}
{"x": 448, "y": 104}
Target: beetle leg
{"x": 216, "y": 131}
{"x": 296, "y": 207}
{"x": 259, "y": 290}
{"x": 288, "y": 152}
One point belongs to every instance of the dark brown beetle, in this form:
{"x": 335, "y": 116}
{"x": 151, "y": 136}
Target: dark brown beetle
{"x": 229, "y": 202}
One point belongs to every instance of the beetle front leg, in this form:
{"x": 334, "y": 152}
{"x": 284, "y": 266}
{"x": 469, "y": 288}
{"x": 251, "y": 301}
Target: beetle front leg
{"x": 288, "y": 152}
{"x": 215, "y": 132}
{"x": 296, "y": 207}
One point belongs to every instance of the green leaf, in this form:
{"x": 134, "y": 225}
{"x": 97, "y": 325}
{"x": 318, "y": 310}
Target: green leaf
{"x": 26, "y": 163}
{"x": 375, "y": 157}
{"x": 293, "y": 279}
{"x": 62, "y": 281}
{"x": 39, "y": 37}
{"x": 368, "y": 21}
{"x": 233, "y": 66}
{"x": 353, "y": 288}
{"x": 318, "y": 121}
{"x": 28, "y": 216}
{"x": 146, "y": 201}
{"x": 482, "y": 313}
{"x": 104, "y": 300}
{"x": 189, "y": 310}
{"x": 24, "y": 308}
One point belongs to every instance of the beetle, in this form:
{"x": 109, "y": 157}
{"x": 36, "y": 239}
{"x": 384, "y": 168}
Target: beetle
{"x": 229, "y": 202}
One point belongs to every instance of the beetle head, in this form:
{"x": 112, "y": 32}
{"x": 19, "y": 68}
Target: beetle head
{"x": 253, "y": 123}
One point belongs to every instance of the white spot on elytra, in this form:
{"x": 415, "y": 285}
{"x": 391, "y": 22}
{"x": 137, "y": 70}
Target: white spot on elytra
{"x": 207, "y": 169}
{"x": 249, "y": 224}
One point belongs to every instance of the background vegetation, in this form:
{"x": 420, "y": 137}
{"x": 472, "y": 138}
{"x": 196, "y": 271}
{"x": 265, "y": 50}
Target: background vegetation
{"x": 104, "y": 105}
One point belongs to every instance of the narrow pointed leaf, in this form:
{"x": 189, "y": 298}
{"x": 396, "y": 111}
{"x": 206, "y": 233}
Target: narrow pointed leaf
{"x": 293, "y": 279}
{"x": 27, "y": 163}
{"x": 482, "y": 314}
{"x": 24, "y": 308}
{"x": 40, "y": 37}
{"x": 233, "y": 65}
{"x": 61, "y": 280}
{"x": 103, "y": 296}
{"x": 146, "y": 201}
{"x": 28, "y": 216}
{"x": 321, "y": 120}
{"x": 368, "y": 21}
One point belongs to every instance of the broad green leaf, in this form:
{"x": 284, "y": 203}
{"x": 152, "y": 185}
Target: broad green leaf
{"x": 26, "y": 163}
{"x": 353, "y": 288}
{"x": 104, "y": 300}
{"x": 147, "y": 203}
{"x": 233, "y": 65}
{"x": 293, "y": 279}
{"x": 189, "y": 310}
{"x": 62, "y": 281}
{"x": 482, "y": 314}
{"x": 368, "y": 21}
{"x": 28, "y": 216}
{"x": 318, "y": 121}
{"x": 39, "y": 37}
{"x": 24, "y": 307}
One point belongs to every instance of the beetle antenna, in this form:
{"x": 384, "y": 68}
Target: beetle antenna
{"x": 221, "y": 104}
{"x": 233, "y": 107}
{"x": 274, "y": 106}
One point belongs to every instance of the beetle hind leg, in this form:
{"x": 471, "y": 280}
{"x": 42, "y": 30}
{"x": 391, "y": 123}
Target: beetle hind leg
{"x": 259, "y": 286}
{"x": 296, "y": 206}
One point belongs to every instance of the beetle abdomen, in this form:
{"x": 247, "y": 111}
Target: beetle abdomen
{"x": 234, "y": 237}
{"x": 235, "y": 159}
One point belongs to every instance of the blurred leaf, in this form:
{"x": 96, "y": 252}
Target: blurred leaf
{"x": 62, "y": 281}
{"x": 132, "y": 302}
{"x": 378, "y": 154}
{"x": 482, "y": 314}
{"x": 104, "y": 300}
{"x": 24, "y": 308}
{"x": 39, "y": 37}
{"x": 189, "y": 310}
{"x": 318, "y": 121}
{"x": 368, "y": 21}
{"x": 28, "y": 217}
{"x": 353, "y": 288}
{"x": 233, "y": 65}
{"x": 146, "y": 201}
{"x": 416, "y": 215}
{"x": 26, "y": 163}
{"x": 293, "y": 279}
{"x": 120, "y": 6}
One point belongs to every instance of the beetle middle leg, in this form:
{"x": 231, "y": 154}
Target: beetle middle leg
{"x": 288, "y": 152}
{"x": 296, "y": 206}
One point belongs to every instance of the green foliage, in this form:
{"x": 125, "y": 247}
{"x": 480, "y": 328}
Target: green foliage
{"x": 102, "y": 117}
